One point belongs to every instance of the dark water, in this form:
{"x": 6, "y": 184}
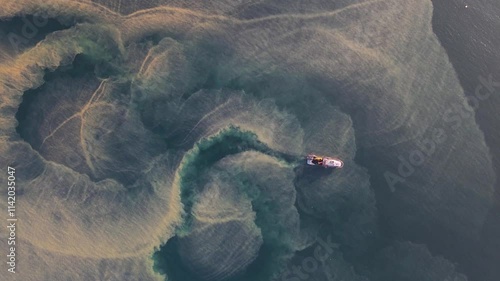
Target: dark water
{"x": 22, "y": 32}
{"x": 471, "y": 37}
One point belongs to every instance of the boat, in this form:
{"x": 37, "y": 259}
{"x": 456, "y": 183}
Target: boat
{"x": 327, "y": 162}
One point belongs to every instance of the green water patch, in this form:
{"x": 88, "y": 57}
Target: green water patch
{"x": 167, "y": 261}
{"x": 277, "y": 245}
{"x": 205, "y": 154}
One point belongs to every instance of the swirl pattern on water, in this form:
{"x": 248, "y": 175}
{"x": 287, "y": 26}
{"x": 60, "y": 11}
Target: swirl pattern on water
{"x": 178, "y": 131}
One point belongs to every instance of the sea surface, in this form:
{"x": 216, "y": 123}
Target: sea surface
{"x": 471, "y": 39}
{"x": 165, "y": 140}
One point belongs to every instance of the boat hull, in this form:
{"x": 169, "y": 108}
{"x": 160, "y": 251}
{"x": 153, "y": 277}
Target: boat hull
{"x": 328, "y": 162}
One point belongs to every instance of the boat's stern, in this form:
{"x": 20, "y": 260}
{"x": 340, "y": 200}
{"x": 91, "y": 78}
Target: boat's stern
{"x": 310, "y": 158}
